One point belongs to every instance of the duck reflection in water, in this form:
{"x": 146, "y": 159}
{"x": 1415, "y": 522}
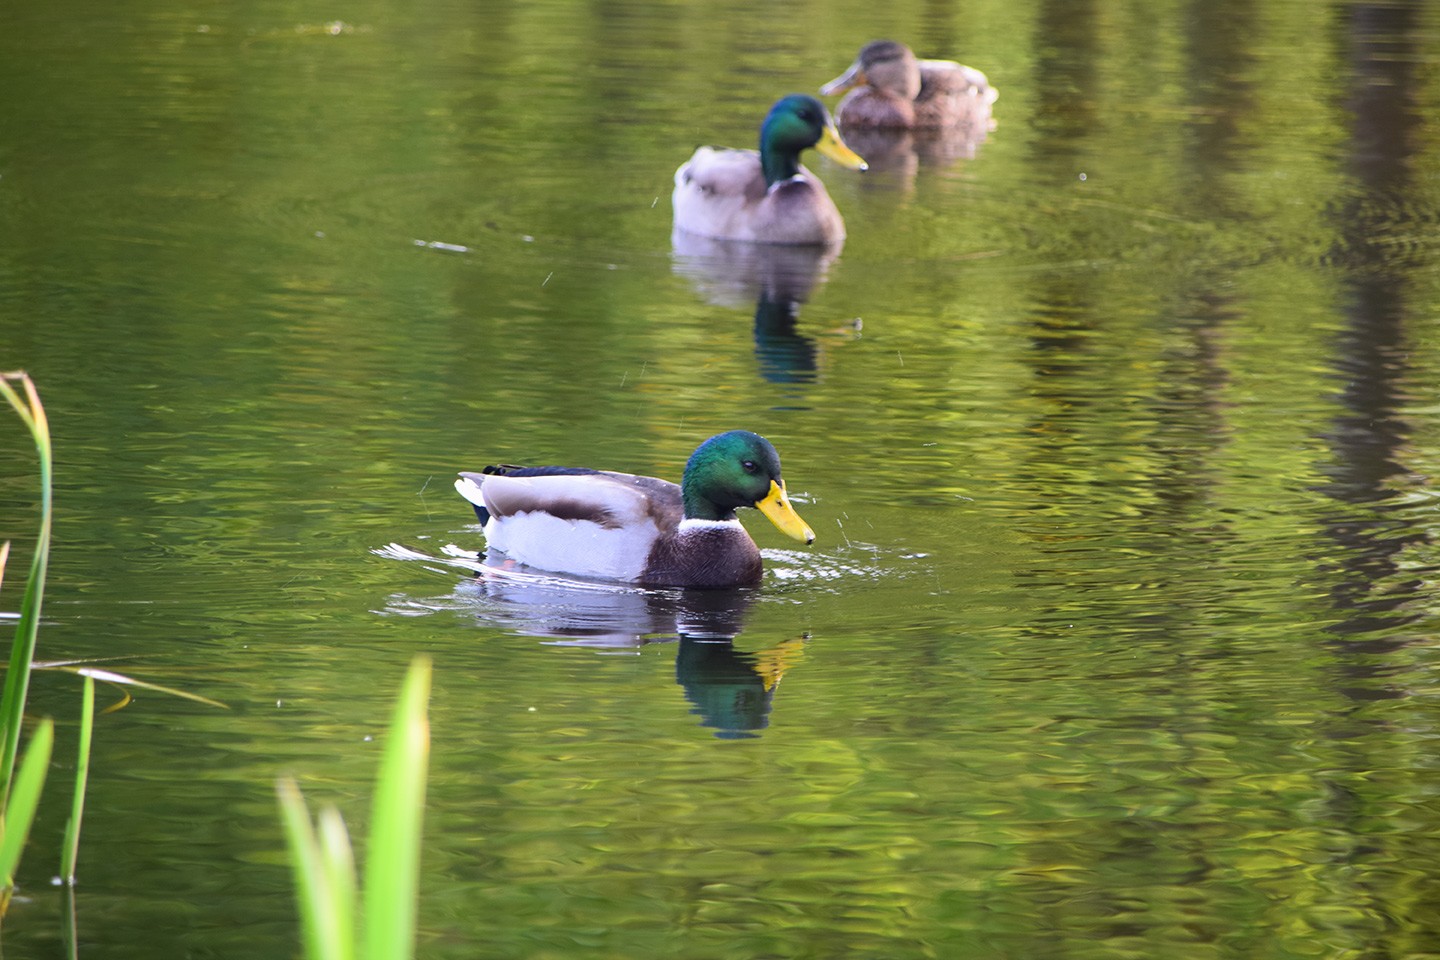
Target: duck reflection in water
{"x": 731, "y": 690}
{"x": 777, "y": 279}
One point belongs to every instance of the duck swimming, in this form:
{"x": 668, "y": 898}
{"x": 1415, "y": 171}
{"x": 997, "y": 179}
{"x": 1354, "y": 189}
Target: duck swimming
{"x": 766, "y": 196}
{"x": 890, "y": 88}
{"x": 617, "y": 526}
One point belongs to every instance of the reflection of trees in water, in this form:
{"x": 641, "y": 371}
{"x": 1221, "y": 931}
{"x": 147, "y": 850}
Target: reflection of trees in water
{"x": 1079, "y": 391}
{"x": 1367, "y": 439}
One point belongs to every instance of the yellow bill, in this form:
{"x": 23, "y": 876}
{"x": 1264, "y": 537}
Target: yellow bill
{"x": 833, "y": 147}
{"x": 777, "y": 507}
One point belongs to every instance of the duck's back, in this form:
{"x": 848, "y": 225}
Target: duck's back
{"x": 584, "y": 522}
{"x": 951, "y": 92}
{"x": 714, "y": 189}
{"x": 721, "y": 193}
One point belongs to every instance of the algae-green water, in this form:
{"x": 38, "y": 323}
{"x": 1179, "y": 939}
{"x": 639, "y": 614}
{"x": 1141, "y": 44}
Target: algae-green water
{"x": 1118, "y": 428}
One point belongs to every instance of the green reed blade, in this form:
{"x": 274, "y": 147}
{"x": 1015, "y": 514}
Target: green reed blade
{"x": 71, "y": 850}
{"x": 22, "y": 650}
{"x": 70, "y": 929}
{"x": 339, "y": 863}
{"x": 24, "y": 799}
{"x": 392, "y": 862}
{"x": 327, "y": 924}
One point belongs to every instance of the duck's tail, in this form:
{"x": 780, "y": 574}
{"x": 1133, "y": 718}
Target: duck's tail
{"x": 468, "y": 486}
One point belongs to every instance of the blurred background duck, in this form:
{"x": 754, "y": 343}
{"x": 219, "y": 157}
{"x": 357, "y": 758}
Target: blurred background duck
{"x": 618, "y": 526}
{"x": 891, "y": 89}
{"x": 766, "y": 196}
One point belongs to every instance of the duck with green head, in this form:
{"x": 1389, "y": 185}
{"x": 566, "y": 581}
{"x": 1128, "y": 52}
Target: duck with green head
{"x": 618, "y": 526}
{"x": 766, "y": 196}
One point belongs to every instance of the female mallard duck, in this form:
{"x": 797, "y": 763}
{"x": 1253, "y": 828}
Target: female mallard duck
{"x": 616, "y": 526}
{"x": 890, "y": 88}
{"x": 766, "y": 197}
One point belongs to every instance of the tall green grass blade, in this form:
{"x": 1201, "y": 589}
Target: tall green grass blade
{"x": 339, "y": 864}
{"x": 71, "y": 852}
{"x": 24, "y": 799}
{"x": 327, "y": 926}
{"x": 321, "y": 855}
{"x": 22, "y": 650}
{"x": 392, "y": 861}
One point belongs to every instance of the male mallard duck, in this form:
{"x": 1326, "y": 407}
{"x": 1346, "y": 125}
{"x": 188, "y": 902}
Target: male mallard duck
{"x": 890, "y": 88}
{"x": 766, "y": 197}
{"x": 617, "y": 526}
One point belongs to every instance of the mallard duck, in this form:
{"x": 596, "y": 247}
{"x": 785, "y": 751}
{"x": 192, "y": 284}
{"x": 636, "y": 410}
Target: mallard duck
{"x": 766, "y": 196}
{"x": 890, "y": 88}
{"x": 616, "y": 526}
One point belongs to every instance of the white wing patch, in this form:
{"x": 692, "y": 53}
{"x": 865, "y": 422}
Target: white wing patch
{"x": 581, "y": 547}
{"x": 600, "y": 526}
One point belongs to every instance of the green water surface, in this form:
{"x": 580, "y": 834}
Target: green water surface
{"x": 1119, "y": 437}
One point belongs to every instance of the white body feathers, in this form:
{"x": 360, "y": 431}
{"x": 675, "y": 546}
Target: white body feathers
{"x": 591, "y": 525}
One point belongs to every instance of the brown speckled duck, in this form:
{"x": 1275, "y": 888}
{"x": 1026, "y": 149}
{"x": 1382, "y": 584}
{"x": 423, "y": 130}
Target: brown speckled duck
{"x": 891, "y": 89}
{"x": 617, "y": 526}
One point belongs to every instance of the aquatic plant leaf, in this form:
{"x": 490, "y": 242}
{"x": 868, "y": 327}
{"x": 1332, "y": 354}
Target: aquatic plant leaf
{"x": 321, "y": 884}
{"x": 392, "y": 861}
{"x": 24, "y": 799}
{"x": 71, "y": 850}
{"x": 109, "y": 676}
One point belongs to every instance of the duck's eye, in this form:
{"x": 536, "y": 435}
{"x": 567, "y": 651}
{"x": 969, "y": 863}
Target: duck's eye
{"x": 749, "y": 465}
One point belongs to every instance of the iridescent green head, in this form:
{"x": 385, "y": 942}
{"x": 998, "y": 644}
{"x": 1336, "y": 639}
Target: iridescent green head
{"x": 739, "y": 469}
{"x": 796, "y": 123}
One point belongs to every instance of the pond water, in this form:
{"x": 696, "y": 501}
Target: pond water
{"x": 1118, "y": 428}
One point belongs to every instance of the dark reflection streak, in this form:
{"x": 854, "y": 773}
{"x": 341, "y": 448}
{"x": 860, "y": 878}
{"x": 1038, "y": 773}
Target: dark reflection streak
{"x": 1075, "y": 387}
{"x": 937, "y": 31}
{"x": 1366, "y": 440}
{"x": 779, "y": 279}
{"x": 784, "y": 354}
{"x": 1062, "y": 311}
{"x": 1068, "y": 46}
{"x": 1223, "y": 94}
{"x": 1069, "y": 49}
{"x": 1188, "y": 412}
{"x": 730, "y": 690}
